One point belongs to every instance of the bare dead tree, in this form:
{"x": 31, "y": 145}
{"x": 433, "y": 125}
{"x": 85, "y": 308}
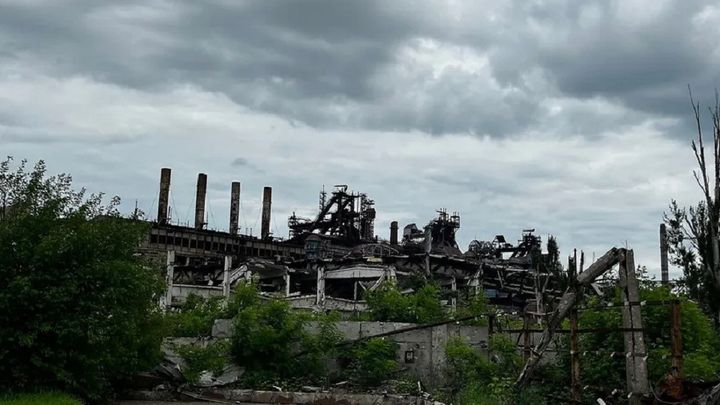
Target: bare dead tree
{"x": 700, "y": 225}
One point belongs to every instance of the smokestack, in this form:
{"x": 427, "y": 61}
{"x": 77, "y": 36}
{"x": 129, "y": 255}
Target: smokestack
{"x": 234, "y": 207}
{"x": 664, "y": 275}
{"x": 162, "y": 216}
{"x": 267, "y": 203}
{"x": 200, "y": 201}
{"x": 393, "y": 233}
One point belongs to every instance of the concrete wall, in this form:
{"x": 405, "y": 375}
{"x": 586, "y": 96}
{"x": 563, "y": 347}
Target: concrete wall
{"x": 421, "y": 352}
{"x": 180, "y": 292}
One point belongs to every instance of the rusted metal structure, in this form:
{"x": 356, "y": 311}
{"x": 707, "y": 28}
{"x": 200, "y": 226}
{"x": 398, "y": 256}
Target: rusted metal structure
{"x": 346, "y": 218}
{"x": 333, "y": 259}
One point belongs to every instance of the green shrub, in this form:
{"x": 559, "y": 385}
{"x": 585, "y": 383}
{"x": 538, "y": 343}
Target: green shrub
{"x": 212, "y": 357}
{"x": 465, "y": 365}
{"x": 472, "y": 378}
{"x": 372, "y": 361}
{"x": 506, "y": 353}
{"x": 272, "y": 342}
{"x": 78, "y": 308}
{"x": 699, "y": 340}
{"x": 43, "y": 398}
{"x": 387, "y": 304}
{"x": 196, "y": 317}
{"x": 475, "y": 305}
{"x": 244, "y": 295}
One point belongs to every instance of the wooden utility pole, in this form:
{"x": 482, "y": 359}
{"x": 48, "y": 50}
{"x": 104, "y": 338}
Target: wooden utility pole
{"x": 526, "y": 335}
{"x": 676, "y": 343}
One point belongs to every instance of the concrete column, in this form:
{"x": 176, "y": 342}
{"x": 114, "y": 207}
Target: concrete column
{"x": 162, "y": 216}
{"x": 226, "y": 276}
{"x": 234, "y": 207}
{"x": 200, "y": 201}
{"x": 635, "y": 350}
{"x": 286, "y": 280}
{"x": 170, "y": 274}
{"x": 266, "y": 207}
{"x": 664, "y": 274}
{"x": 453, "y": 300}
{"x": 320, "y": 296}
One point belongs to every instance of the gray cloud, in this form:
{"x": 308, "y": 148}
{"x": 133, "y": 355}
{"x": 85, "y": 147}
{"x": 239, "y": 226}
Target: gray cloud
{"x": 339, "y": 64}
{"x": 564, "y": 116}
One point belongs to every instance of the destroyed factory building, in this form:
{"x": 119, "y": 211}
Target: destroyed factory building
{"x": 331, "y": 260}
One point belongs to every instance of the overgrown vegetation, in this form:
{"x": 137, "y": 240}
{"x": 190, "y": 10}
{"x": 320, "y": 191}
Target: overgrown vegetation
{"x": 388, "y": 304}
{"x": 475, "y": 305}
{"x": 195, "y": 317}
{"x": 474, "y": 378}
{"x": 78, "y": 309}
{"x": 273, "y": 342}
{"x": 213, "y": 357}
{"x": 371, "y": 362}
{"x": 694, "y": 233}
{"x": 701, "y": 359}
{"x": 43, "y": 398}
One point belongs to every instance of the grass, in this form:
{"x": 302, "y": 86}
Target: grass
{"x": 50, "y": 398}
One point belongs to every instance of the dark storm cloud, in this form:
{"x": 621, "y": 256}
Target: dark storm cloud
{"x": 340, "y": 64}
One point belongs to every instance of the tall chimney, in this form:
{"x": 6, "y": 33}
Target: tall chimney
{"x": 162, "y": 216}
{"x": 234, "y": 207}
{"x": 200, "y": 201}
{"x": 393, "y": 233}
{"x": 266, "y": 204}
{"x": 664, "y": 275}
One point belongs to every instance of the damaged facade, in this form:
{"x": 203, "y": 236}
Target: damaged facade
{"x": 331, "y": 260}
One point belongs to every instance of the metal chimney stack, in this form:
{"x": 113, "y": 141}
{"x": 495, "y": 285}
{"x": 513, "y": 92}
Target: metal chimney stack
{"x": 664, "y": 274}
{"x": 393, "y": 233}
{"x": 266, "y": 205}
{"x": 234, "y": 207}
{"x": 200, "y": 201}
{"x": 162, "y": 216}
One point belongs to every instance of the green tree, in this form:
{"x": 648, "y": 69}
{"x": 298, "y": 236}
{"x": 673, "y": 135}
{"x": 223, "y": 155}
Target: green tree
{"x": 77, "y": 306}
{"x": 693, "y": 232}
{"x": 372, "y": 361}
{"x": 601, "y": 370}
{"x": 274, "y": 342}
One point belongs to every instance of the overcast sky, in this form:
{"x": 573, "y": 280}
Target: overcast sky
{"x": 569, "y": 118}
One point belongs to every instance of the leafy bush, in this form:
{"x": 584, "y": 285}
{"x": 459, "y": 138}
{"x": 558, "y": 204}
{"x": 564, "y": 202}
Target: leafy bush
{"x": 387, "y": 304}
{"x": 78, "y": 308}
{"x": 196, "y": 317}
{"x": 244, "y": 295}
{"x": 212, "y": 357}
{"x": 506, "y": 354}
{"x": 465, "y": 365}
{"x": 699, "y": 340}
{"x": 44, "y": 398}
{"x": 272, "y": 342}
{"x": 372, "y": 361}
{"x": 475, "y": 305}
{"x": 473, "y": 379}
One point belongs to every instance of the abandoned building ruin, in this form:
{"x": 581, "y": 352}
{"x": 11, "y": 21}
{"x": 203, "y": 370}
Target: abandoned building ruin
{"x": 331, "y": 260}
